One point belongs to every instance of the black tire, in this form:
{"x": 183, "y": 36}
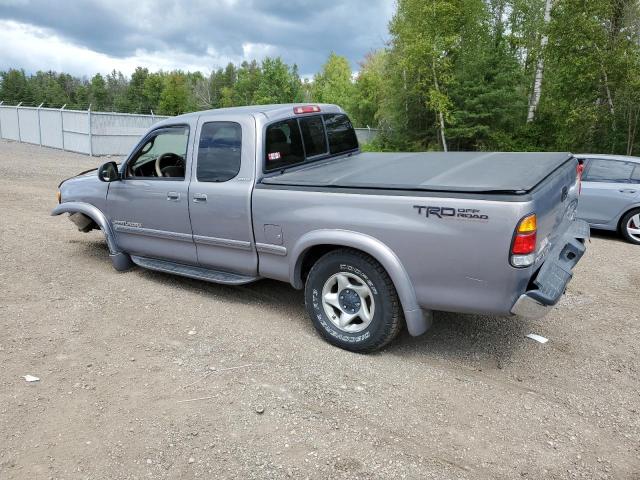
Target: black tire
{"x": 387, "y": 319}
{"x": 623, "y": 226}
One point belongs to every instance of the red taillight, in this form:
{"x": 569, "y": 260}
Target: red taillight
{"x": 524, "y": 244}
{"x": 306, "y": 109}
{"x": 579, "y": 171}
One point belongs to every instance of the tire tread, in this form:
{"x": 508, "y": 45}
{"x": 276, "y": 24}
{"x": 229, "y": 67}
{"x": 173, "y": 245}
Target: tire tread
{"x": 394, "y": 322}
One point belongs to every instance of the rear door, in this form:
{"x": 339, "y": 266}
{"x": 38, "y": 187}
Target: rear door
{"x": 220, "y": 193}
{"x": 608, "y": 187}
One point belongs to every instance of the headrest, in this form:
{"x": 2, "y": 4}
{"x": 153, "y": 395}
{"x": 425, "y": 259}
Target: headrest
{"x": 276, "y": 135}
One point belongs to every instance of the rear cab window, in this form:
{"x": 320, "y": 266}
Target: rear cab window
{"x": 342, "y": 136}
{"x": 296, "y": 141}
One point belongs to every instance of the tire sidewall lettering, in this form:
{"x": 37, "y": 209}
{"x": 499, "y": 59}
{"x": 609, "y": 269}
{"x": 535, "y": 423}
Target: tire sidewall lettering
{"x": 320, "y": 315}
{"x": 345, "y": 267}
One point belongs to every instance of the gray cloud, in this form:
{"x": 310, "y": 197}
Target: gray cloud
{"x": 301, "y": 31}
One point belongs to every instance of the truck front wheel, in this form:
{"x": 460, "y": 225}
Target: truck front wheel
{"x": 352, "y": 301}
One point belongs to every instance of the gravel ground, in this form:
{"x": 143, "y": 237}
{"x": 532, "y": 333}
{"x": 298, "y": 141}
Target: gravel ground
{"x": 145, "y": 375}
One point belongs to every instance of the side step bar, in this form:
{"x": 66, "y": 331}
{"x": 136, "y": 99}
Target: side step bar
{"x": 190, "y": 271}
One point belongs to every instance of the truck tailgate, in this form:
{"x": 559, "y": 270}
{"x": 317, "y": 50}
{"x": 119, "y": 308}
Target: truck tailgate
{"x": 555, "y": 202}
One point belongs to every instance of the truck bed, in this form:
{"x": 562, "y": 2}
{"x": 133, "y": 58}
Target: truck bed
{"x": 471, "y": 172}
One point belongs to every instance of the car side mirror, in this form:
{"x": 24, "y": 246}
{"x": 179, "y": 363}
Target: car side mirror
{"x": 108, "y": 172}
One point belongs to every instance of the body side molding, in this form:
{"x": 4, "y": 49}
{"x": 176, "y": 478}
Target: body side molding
{"x": 150, "y": 232}
{"x": 222, "y": 242}
{"x": 272, "y": 249}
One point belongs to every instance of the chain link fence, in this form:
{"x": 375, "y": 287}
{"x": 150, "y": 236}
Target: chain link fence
{"x": 84, "y": 131}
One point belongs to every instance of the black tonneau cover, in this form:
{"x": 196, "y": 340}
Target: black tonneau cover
{"x": 473, "y": 172}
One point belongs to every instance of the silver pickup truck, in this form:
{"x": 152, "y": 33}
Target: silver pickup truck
{"x": 377, "y": 240}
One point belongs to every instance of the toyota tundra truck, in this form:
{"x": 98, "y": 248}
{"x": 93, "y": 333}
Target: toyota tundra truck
{"x": 376, "y": 240}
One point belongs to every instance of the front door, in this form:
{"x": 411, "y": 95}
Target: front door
{"x": 149, "y": 207}
{"x": 220, "y": 194}
{"x": 608, "y": 188}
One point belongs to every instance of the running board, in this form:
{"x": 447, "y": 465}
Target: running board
{"x": 190, "y": 271}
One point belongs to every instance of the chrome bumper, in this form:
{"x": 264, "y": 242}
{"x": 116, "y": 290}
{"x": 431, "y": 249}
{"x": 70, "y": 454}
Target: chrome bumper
{"x": 555, "y": 273}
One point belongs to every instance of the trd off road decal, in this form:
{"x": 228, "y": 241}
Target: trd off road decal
{"x": 448, "y": 212}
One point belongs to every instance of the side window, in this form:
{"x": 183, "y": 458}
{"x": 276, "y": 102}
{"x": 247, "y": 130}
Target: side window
{"x": 635, "y": 176}
{"x": 284, "y": 145}
{"x": 609, "y": 171}
{"x": 219, "y": 151}
{"x": 162, "y": 155}
{"x": 313, "y": 135}
{"x": 342, "y": 136}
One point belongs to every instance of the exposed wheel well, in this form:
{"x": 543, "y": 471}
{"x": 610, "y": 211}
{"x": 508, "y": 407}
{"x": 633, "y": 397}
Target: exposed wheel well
{"x": 313, "y": 254}
{"x": 310, "y": 257}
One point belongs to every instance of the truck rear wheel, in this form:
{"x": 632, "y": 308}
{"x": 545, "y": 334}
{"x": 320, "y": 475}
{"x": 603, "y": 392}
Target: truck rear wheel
{"x": 352, "y": 301}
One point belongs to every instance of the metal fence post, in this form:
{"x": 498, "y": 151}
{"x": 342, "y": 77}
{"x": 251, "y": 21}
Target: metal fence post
{"x": 62, "y": 124}
{"x": 39, "y": 127}
{"x": 18, "y": 119}
{"x": 90, "y": 137}
{"x": 1, "y": 118}
{"x": 153, "y": 120}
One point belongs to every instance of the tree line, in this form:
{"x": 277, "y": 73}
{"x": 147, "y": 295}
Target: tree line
{"x": 455, "y": 75}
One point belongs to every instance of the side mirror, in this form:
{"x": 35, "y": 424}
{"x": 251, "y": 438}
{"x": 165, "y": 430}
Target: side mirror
{"x": 108, "y": 172}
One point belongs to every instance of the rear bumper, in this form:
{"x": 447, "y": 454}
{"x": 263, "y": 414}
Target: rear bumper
{"x": 555, "y": 273}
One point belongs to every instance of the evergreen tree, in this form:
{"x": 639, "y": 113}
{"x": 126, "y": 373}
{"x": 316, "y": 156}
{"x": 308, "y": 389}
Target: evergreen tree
{"x": 278, "y": 83}
{"x": 174, "y": 99}
{"x": 98, "y": 96}
{"x": 14, "y": 87}
{"x": 333, "y": 84}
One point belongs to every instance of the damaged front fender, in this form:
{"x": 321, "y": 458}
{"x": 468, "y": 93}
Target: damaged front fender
{"x": 121, "y": 261}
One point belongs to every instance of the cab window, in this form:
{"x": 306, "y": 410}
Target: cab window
{"x": 284, "y": 145}
{"x": 342, "y": 136}
{"x": 219, "y": 152}
{"x": 313, "y": 136}
{"x": 298, "y": 140}
{"x": 162, "y": 155}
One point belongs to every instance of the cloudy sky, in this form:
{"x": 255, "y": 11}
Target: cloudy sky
{"x": 87, "y": 36}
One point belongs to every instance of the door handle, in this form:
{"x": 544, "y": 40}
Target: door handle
{"x": 627, "y": 190}
{"x": 173, "y": 196}
{"x": 199, "y": 197}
